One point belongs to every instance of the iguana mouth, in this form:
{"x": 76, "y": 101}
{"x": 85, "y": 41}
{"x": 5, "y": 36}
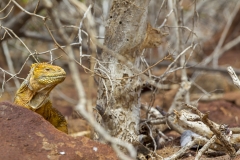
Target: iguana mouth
{"x": 51, "y": 79}
{"x": 58, "y": 76}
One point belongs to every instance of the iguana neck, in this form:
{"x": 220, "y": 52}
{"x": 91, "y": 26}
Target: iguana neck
{"x": 25, "y": 93}
{"x": 32, "y": 99}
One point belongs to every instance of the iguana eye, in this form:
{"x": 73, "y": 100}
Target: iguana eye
{"x": 47, "y": 69}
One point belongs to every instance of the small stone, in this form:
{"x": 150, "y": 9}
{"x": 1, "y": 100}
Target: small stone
{"x": 62, "y": 153}
{"x": 95, "y": 149}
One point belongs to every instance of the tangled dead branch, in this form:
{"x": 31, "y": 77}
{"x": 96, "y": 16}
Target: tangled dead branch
{"x": 55, "y": 28}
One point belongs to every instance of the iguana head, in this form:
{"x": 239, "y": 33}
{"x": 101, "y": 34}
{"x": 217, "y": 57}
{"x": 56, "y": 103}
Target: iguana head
{"x": 44, "y": 75}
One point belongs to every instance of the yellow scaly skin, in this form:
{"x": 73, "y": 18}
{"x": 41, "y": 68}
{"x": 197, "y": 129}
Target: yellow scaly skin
{"x": 35, "y": 89}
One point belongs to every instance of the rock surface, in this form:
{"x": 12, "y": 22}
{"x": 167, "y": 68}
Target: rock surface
{"x": 26, "y": 135}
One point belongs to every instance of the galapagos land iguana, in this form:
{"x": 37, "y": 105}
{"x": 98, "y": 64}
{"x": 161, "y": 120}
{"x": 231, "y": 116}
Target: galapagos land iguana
{"x": 35, "y": 89}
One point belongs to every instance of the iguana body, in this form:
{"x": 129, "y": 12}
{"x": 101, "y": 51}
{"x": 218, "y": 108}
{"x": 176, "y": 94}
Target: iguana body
{"x": 34, "y": 93}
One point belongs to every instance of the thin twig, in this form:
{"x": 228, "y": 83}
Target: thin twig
{"x": 165, "y": 19}
{"x": 215, "y": 54}
{"x": 7, "y": 14}
{"x": 175, "y": 60}
{"x": 9, "y": 30}
{"x": 9, "y": 62}
{"x": 234, "y": 77}
{"x": 205, "y": 147}
{"x": 160, "y": 9}
{"x": 80, "y": 31}
{"x": 3, "y": 83}
{"x": 168, "y": 57}
{"x": 224, "y": 35}
{"x": 5, "y": 6}
{"x": 35, "y": 10}
{"x": 182, "y": 150}
{"x": 184, "y": 27}
{"x": 32, "y": 14}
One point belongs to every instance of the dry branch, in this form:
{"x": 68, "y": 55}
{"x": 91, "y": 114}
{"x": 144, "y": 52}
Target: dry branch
{"x": 234, "y": 77}
{"x": 224, "y": 35}
{"x": 225, "y": 139}
{"x": 18, "y": 21}
{"x": 191, "y": 121}
{"x": 182, "y": 150}
{"x": 201, "y": 125}
{"x": 216, "y": 53}
{"x": 205, "y": 147}
{"x": 9, "y": 62}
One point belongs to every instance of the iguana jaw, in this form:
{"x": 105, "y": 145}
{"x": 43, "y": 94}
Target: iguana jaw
{"x": 51, "y": 79}
{"x": 41, "y": 95}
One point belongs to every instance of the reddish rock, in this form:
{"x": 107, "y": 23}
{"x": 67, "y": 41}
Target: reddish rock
{"x": 221, "y": 112}
{"x": 26, "y": 135}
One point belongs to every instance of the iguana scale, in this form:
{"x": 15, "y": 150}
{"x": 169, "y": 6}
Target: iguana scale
{"x": 35, "y": 89}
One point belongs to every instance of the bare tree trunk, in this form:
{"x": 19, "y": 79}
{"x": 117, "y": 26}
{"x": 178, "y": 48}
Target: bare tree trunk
{"x": 119, "y": 96}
